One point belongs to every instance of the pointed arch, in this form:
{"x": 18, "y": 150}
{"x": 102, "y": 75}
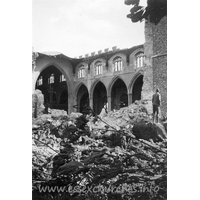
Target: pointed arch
{"x": 78, "y": 87}
{"x": 51, "y": 86}
{"x": 135, "y": 87}
{"x": 115, "y": 78}
{"x": 69, "y": 86}
{"x": 93, "y": 86}
{"x": 130, "y": 86}
{"x": 99, "y": 96}
{"x": 118, "y": 92}
{"x": 82, "y": 97}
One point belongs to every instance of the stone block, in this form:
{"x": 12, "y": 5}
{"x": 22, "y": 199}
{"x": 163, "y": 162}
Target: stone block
{"x": 58, "y": 113}
{"x": 37, "y": 103}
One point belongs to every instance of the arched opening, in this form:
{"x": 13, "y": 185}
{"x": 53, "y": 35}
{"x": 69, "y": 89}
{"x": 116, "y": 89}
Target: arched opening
{"x": 82, "y": 98}
{"x": 64, "y": 100}
{"x": 52, "y": 86}
{"x": 84, "y": 102}
{"x": 123, "y": 100}
{"x": 99, "y": 97}
{"x": 137, "y": 89}
{"x": 119, "y": 95}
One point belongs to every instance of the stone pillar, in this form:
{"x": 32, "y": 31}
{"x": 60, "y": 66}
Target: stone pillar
{"x": 129, "y": 99}
{"x": 91, "y": 102}
{"x": 75, "y": 103}
{"x": 109, "y": 103}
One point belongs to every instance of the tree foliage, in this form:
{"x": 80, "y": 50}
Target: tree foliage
{"x": 154, "y": 11}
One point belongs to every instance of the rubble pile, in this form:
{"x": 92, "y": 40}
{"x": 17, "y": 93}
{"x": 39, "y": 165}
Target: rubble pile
{"x": 120, "y": 156}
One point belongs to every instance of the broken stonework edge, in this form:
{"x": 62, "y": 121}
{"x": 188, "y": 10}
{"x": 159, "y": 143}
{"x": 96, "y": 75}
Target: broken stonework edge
{"x": 148, "y": 105}
{"x": 37, "y": 103}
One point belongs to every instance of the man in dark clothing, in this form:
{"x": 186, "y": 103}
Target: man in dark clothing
{"x": 156, "y": 101}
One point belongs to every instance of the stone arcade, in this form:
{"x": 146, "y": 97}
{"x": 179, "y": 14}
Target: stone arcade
{"x": 117, "y": 76}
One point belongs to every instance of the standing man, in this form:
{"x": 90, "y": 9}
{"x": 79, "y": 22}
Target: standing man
{"x": 156, "y": 101}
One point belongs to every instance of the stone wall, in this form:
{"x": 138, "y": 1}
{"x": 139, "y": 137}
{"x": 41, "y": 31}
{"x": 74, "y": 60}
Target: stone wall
{"x": 160, "y": 37}
{"x": 147, "y": 89}
{"x": 155, "y": 48}
{"x": 160, "y": 80}
{"x": 159, "y": 61}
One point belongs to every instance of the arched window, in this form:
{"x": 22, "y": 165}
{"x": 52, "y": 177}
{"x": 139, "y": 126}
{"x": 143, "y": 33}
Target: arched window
{"x": 51, "y": 79}
{"x": 139, "y": 60}
{"x": 117, "y": 63}
{"x": 62, "y": 78}
{"x": 98, "y": 68}
{"x": 81, "y": 72}
{"x": 40, "y": 81}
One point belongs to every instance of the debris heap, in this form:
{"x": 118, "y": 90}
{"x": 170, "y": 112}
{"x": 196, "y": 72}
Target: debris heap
{"x": 120, "y": 156}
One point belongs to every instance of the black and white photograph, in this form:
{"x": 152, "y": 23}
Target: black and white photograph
{"x": 99, "y": 99}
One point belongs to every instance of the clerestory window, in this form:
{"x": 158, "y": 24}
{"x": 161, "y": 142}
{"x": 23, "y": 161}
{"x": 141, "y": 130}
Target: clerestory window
{"x": 117, "y": 63}
{"x": 139, "y": 61}
{"x": 98, "y": 69}
{"x": 81, "y": 72}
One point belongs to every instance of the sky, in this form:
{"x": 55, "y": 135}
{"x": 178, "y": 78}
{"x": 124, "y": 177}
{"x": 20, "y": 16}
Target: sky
{"x": 79, "y": 27}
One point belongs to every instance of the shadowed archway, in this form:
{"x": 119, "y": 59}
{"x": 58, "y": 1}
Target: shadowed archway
{"x": 119, "y": 95}
{"x": 137, "y": 89}
{"x": 64, "y": 100}
{"x": 82, "y": 98}
{"x": 51, "y": 84}
{"x": 99, "y": 97}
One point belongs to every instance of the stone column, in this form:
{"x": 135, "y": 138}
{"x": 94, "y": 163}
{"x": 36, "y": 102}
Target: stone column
{"x": 91, "y": 102}
{"x": 129, "y": 99}
{"x": 75, "y": 103}
{"x": 109, "y": 103}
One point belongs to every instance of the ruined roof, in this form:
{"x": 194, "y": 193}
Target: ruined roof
{"x": 73, "y": 61}
{"x": 52, "y": 53}
{"x": 90, "y": 59}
